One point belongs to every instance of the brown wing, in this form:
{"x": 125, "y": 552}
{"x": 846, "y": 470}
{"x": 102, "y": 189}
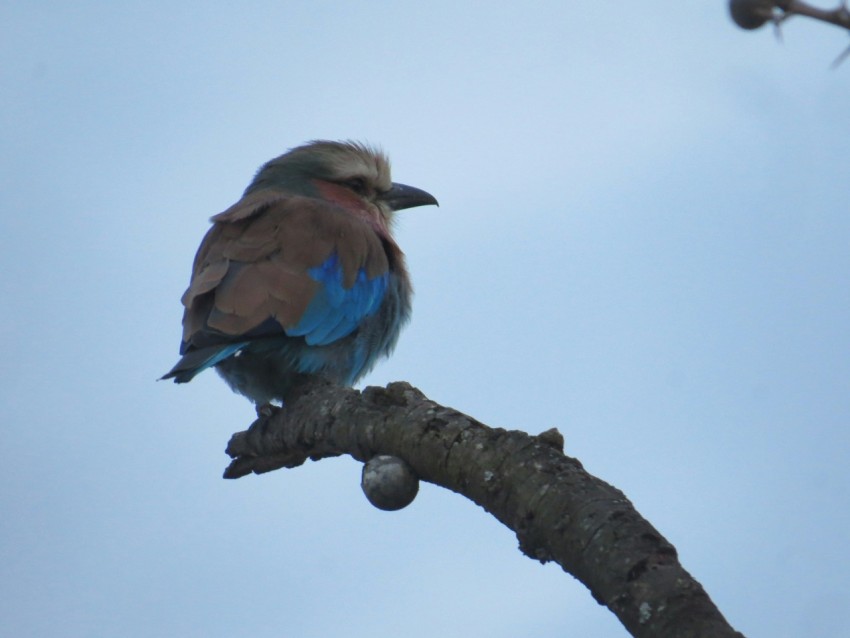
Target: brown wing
{"x": 252, "y": 266}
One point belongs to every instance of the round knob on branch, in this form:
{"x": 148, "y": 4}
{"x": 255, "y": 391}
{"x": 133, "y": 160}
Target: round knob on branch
{"x": 751, "y": 14}
{"x": 389, "y": 483}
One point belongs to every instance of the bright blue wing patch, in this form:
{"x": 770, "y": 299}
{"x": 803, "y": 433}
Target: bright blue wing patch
{"x": 336, "y": 311}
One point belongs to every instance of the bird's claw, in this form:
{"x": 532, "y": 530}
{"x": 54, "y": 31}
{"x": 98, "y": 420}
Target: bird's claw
{"x": 266, "y": 410}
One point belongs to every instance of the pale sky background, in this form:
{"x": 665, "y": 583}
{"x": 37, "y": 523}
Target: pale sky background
{"x": 643, "y": 240}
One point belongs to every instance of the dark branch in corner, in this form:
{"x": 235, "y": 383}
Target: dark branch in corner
{"x": 752, "y": 14}
{"x": 558, "y": 511}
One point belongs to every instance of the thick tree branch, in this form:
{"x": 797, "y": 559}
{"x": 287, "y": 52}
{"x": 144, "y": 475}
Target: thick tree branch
{"x": 558, "y": 511}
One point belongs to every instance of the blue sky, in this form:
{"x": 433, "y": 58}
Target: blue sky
{"x": 643, "y": 240}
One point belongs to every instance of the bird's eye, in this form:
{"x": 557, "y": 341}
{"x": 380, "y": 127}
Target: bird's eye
{"x": 357, "y": 184}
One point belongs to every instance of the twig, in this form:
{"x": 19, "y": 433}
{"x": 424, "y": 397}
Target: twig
{"x": 752, "y": 14}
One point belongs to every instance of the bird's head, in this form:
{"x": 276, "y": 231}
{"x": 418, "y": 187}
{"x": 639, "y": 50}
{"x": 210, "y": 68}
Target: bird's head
{"x": 351, "y": 175}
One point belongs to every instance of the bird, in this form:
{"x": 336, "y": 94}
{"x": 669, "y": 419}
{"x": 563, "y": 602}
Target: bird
{"x": 302, "y": 277}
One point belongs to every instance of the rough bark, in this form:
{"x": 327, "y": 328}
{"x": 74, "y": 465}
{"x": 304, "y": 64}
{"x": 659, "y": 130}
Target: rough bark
{"x": 558, "y": 511}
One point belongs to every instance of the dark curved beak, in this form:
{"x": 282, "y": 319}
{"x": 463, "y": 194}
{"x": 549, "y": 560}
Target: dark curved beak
{"x": 401, "y": 196}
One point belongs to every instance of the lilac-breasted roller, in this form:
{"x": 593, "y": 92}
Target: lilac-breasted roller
{"x": 301, "y": 276}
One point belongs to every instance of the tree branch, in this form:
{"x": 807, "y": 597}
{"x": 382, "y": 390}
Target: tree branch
{"x": 558, "y": 511}
{"x": 751, "y": 14}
